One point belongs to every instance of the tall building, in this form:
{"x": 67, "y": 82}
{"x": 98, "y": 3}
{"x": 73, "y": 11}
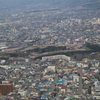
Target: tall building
{"x": 6, "y": 88}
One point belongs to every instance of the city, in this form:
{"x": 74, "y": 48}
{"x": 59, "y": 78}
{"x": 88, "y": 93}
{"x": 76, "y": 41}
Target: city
{"x": 49, "y": 53}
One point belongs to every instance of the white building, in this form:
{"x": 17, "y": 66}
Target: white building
{"x": 97, "y": 86}
{"x": 75, "y": 78}
{"x": 22, "y": 92}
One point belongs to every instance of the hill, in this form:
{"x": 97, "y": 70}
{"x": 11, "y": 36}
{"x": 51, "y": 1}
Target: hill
{"x": 6, "y": 4}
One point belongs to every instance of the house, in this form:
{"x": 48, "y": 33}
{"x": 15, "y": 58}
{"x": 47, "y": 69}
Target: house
{"x": 75, "y": 78}
{"x": 61, "y": 82}
{"x": 97, "y": 86}
{"x": 22, "y": 92}
{"x": 50, "y": 68}
{"x": 33, "y": 94}
{"x": 63, "y": 89}
{"x": 64, "y": 69}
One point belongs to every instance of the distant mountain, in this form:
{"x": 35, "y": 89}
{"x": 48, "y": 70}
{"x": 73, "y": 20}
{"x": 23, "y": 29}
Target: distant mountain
{"x": 42, "y": 3}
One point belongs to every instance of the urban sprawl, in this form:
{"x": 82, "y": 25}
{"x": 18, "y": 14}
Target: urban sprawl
{"x": 53, "y": 77}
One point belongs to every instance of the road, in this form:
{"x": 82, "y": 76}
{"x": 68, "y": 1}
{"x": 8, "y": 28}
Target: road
{"x": 54, "y": 83}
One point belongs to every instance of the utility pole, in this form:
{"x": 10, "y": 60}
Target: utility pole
{"x": 80, "y": 83}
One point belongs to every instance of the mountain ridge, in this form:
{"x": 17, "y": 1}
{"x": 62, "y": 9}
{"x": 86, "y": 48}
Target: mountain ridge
{"x": 36, "y": 3}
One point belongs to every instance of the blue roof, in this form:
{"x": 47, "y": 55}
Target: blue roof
{"x": 46, "y": 93}
{"x": 44, "y": 96}
{"x": 61, "y": 81}
{"x": 64, "y": 79}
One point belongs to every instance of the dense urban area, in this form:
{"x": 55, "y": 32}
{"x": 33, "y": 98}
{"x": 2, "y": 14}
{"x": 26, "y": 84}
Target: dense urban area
{"x": 50, "y": 54}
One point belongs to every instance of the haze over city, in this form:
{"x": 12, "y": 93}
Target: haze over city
{"x": 49, "y": 49}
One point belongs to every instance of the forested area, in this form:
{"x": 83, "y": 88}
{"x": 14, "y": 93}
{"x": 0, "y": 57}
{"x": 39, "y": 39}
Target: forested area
{"x": 47, "y": 49}
{"x": 94, "y": 47}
